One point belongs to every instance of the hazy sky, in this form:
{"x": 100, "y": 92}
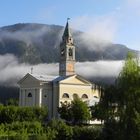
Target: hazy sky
{"x": 117, "y": 21}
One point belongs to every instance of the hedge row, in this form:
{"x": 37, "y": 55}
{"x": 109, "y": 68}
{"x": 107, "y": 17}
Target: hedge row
{"x": 9, "y": 114}
{"x": 55, "y": 130}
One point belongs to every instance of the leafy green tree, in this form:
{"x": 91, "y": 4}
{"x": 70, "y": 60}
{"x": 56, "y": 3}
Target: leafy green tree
{"x": 12, "y": 101}
{"x": 77, "y": 112}
{"x": 80, "y": 111}
{"x": 63, "y": 131}
{"x": 128, "y": 85}
{"x": 97, "y": 112}
{"x": 9, "y": 114}
{"x": 40, "y": 113}
{"x": 21, "y": 129}
{"x": 65, "y": 111}
{"x": 86, "y": 133}
{"x": 122, "y": 103}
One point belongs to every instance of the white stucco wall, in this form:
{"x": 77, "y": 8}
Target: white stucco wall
{"x": 24, "y": 100}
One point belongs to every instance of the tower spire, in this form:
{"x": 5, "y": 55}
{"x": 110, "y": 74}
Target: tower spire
{"x": 67, "y": 33}
{"x": 67, "y": 53}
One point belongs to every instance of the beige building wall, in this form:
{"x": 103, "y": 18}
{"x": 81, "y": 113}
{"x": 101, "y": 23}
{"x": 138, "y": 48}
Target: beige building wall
{"x": 72, "y": 86}
{"x": 73, "y": 89}
{"x": 51, "y": 94}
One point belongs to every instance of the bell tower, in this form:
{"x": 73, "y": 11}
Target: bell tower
{"x": 67, "y": 53}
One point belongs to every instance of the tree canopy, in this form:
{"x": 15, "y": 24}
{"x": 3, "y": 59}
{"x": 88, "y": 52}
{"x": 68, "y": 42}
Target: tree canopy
{"x": 121, "y": 102}
{"x": 77, "y": 111}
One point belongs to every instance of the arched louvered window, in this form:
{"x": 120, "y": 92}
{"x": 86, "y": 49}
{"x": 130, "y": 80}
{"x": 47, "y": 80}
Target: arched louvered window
{"x": 84, "y": 96}
{"x": 70, "y": 52}
{"x": 29, "y": 94}
{"x": 75, "y": 96}
{"x": 65, "y": 95}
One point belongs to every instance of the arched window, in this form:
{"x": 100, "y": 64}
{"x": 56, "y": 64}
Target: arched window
{"x": 95, "y": 97}
{"x": 75, "y": 96}
{"x": 70, "y": 52}
{"x": 84, "y": 96}
{"x": 65, "y": 95}
{"x": 29, "y": 94}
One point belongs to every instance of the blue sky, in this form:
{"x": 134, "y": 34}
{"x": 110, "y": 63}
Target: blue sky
{"x": 117, "y": 21}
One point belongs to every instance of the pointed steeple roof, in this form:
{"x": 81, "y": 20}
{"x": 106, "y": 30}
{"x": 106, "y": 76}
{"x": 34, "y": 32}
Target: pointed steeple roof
{"x": 67, "y": 33}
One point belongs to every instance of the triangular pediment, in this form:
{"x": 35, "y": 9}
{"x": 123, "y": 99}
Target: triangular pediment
{"x": 76, "y": 79}
{"x": 28, "y": 79}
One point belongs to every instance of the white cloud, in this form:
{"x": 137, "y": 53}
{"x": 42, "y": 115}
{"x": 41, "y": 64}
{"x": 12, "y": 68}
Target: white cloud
{"x": 119, "y": 25}
{"x": 26, "y": 34}
{"x": 102, "y": 28}
{"x": 11, "y": 71}
{"x": 99, "y": 31}
{"x": 99, "y": 68}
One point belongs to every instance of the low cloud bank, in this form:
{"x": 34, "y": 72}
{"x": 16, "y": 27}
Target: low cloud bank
{"x": 99, "y": 68}
{"x": 11, "y": 70}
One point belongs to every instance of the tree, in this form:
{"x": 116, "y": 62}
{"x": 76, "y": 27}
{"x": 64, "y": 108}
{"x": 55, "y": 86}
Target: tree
{"x": 12, "y": 101}
{"x": 128, "y": 85}
{"x": 80, "y": 111}
{"x": 86, "y": 133}
{"x": 62, "y": 131}
{"x": 122, "y": 102}
{"x": 9, "y": 114}
{"x": 65, "y": 111}
{"x": 76, "y": 112}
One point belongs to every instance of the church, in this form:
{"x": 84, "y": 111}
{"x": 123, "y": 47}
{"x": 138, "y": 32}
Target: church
{"x": 50, "y": 91}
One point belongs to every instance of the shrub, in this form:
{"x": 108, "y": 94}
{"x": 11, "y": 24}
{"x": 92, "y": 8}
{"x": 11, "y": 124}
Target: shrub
{"x": 86, "y": 133}
{"x": 63, "y": 131}
{"x": 9, "y": 114}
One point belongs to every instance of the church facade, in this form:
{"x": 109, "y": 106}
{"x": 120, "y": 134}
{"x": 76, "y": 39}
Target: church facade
{"x": 50, "y": 91}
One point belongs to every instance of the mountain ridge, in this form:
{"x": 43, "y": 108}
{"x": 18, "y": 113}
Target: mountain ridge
{"x": 39, "y": 43}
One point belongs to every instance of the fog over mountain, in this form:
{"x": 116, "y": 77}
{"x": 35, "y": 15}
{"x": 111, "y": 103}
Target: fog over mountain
{"x": 23, "y": 46}
{"x": 39, "y": 43}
